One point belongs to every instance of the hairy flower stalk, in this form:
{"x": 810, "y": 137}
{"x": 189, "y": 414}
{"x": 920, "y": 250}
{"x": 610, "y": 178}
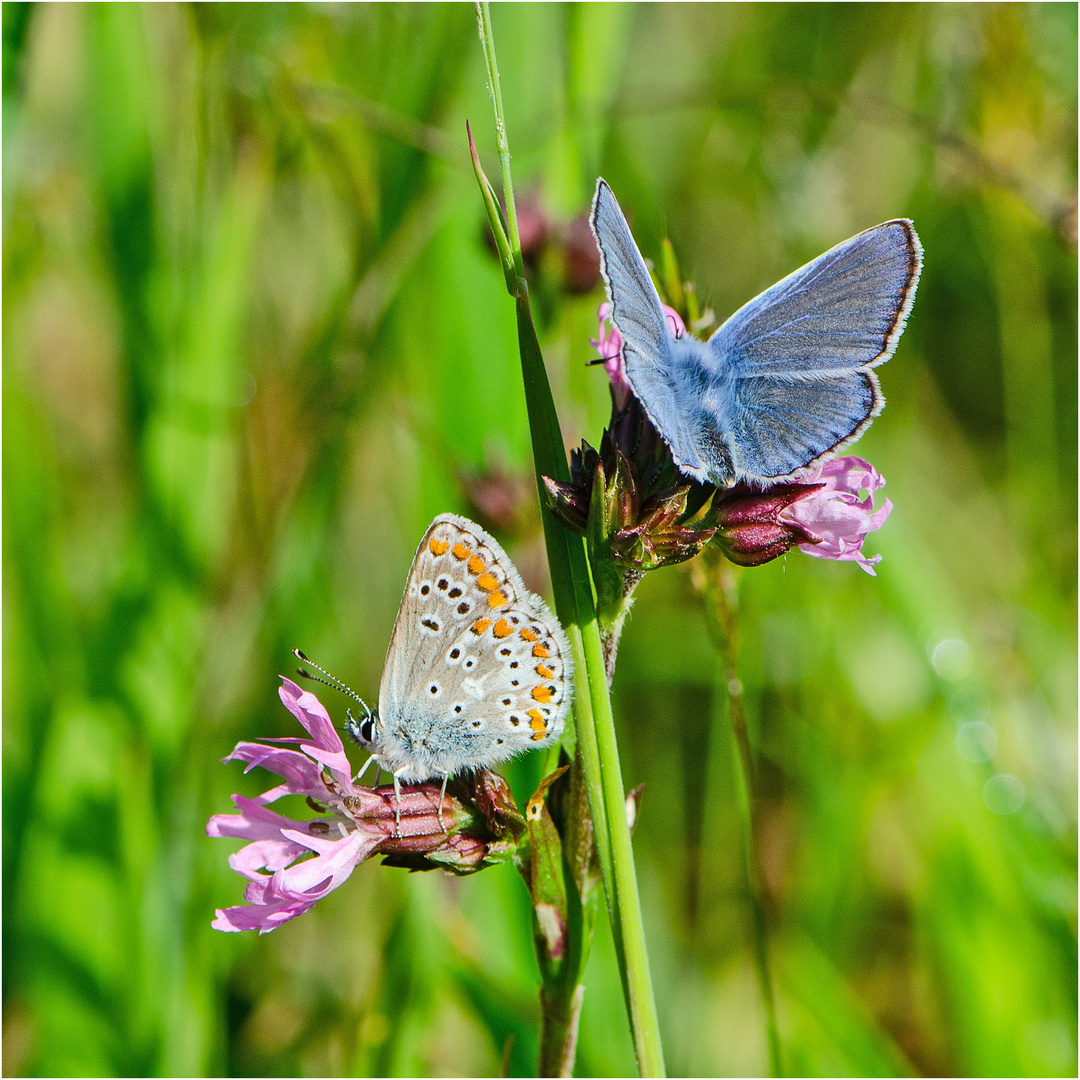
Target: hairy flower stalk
{"x": 292, "y": 864}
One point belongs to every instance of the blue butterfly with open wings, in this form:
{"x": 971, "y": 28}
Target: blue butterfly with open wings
{"x": 788, "y": 380}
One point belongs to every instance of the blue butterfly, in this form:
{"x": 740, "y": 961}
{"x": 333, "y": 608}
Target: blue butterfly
{"x": 788, "y": 380}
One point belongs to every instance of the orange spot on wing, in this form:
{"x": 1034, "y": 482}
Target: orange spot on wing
{"x": 542, "y": 694}
{"x": 540, "y": 650}
{"x": 497, "y": 600}
{"x": 535, "y": 714}
{"x": 438, "y": 547}
{"x": 480, "y": 625}
{"x": 486, "y": 581}
{"x": 502, "y": 629}
{"x": 539, "y": 735}
{"x": 528, "y": 635}
{"x": 544, "y": 673}
{"x": 460, "y": 551}
{"x": 537, "y": 722}
{"x": 476, "y": 564}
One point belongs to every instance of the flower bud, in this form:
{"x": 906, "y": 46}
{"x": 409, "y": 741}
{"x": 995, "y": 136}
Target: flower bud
{"x": 751, "y": 530}
{"x": 482, "y": 824}
{"x": 582, "y": 257}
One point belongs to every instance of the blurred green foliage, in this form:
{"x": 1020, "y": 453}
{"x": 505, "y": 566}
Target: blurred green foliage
{"x": 254, "y": 341}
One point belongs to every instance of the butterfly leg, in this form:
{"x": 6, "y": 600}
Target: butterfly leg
{"x": 364, "y": 769}
{"x": 442, "y": 795}
{"x": 397, "y": 800}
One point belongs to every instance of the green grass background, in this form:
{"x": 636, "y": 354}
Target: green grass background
{"x": 253, "y": 341}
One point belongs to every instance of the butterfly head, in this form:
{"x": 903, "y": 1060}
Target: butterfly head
{"x": 363, "y": 730}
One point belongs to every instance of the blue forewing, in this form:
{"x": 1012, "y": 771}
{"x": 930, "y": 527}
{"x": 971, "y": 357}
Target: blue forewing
{"x": 788, "y": 379}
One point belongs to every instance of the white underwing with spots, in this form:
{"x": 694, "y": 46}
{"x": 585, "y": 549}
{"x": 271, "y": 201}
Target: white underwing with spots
{"x": 478, "y": 667}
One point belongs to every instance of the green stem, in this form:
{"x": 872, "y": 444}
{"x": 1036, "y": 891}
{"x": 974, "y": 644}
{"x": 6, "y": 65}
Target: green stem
{"x": 559, "y": 1019}
{"x": 721, "y": 594}
{"x": 743, "y": 784}
{"x": 575, "y": 604}
{"x": 597, "y": 744}
{"x": 637, "y": 982}
{"x": 487, "y": 39}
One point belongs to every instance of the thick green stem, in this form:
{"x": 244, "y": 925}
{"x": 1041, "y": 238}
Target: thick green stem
{"x": 637, "y": 981}
{"x": 575, "y": 604}
{"x": 597, "y": 745}
{"x": 721, "y": 600}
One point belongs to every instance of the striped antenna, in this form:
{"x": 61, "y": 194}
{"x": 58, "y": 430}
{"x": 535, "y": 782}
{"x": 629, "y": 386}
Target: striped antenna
{"x": 330, "y": 680}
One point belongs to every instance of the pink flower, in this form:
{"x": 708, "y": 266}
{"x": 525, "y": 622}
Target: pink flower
{"x": 291, "y": 865}
{"x": 834, "y": 517}
{"x": 610, "y": 348}
{"x": 306, "y": 860}
{"x": 821, "y": 512}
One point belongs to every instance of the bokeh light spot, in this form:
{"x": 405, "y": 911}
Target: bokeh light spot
{"x": 1003, "y": 794}
{"x": 950, "y": 657}
{"x": 976, "y": 741}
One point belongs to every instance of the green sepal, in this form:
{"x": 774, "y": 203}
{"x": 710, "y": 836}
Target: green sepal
{"x": 495, "y": 217}
{"x": 539, "y": 859}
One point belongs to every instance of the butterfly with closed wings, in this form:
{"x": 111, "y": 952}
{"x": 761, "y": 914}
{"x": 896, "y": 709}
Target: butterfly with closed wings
{"x": 478, "y": 668}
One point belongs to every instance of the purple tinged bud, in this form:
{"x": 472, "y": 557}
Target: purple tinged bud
{"x": 569, "y": 502}
{"x": 534, "y": 226}
{"x": 582, "y": 257}
{"x": 750, "y": 530}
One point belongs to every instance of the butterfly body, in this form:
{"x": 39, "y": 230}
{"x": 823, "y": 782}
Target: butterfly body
{"x": 788, "y": 380}
{"x": 478, "y": 668}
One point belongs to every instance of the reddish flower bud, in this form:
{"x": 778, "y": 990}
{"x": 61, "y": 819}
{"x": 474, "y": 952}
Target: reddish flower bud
{"x": 751, "y": 531}
{"x": 582, "y": 257}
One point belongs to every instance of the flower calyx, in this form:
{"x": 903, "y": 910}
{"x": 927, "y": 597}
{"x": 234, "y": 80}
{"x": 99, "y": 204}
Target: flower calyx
{"x": 637, "y": 511}
{"x": 751, "y": 529}
{"x": 821, "y": 512}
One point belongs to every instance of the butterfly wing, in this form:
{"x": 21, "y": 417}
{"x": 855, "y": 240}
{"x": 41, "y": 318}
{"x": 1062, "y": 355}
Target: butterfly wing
{"x": 478, "y": 668}
{"x": 796, "y": 361}
{"x": 653, "y": 360}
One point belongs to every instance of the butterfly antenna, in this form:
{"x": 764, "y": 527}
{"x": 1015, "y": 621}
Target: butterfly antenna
{"x": 601, "y": 360}
{"x": 330, "y": 680}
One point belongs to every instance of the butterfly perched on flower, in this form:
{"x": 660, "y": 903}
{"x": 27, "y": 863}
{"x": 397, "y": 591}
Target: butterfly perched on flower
{"x": 788, "y": 380}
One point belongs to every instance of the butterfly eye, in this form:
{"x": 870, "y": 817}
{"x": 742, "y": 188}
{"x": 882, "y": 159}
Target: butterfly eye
{"x": 367, "y": 730}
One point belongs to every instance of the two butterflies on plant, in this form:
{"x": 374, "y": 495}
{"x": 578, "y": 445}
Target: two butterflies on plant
{"x": 478, "y": 668}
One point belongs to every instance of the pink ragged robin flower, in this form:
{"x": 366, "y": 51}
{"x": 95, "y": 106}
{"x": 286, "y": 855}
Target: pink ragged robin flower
{"x": 834, "y": 517}
{"x": 820, "y": 512}
{"x": 292, "y": 864}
